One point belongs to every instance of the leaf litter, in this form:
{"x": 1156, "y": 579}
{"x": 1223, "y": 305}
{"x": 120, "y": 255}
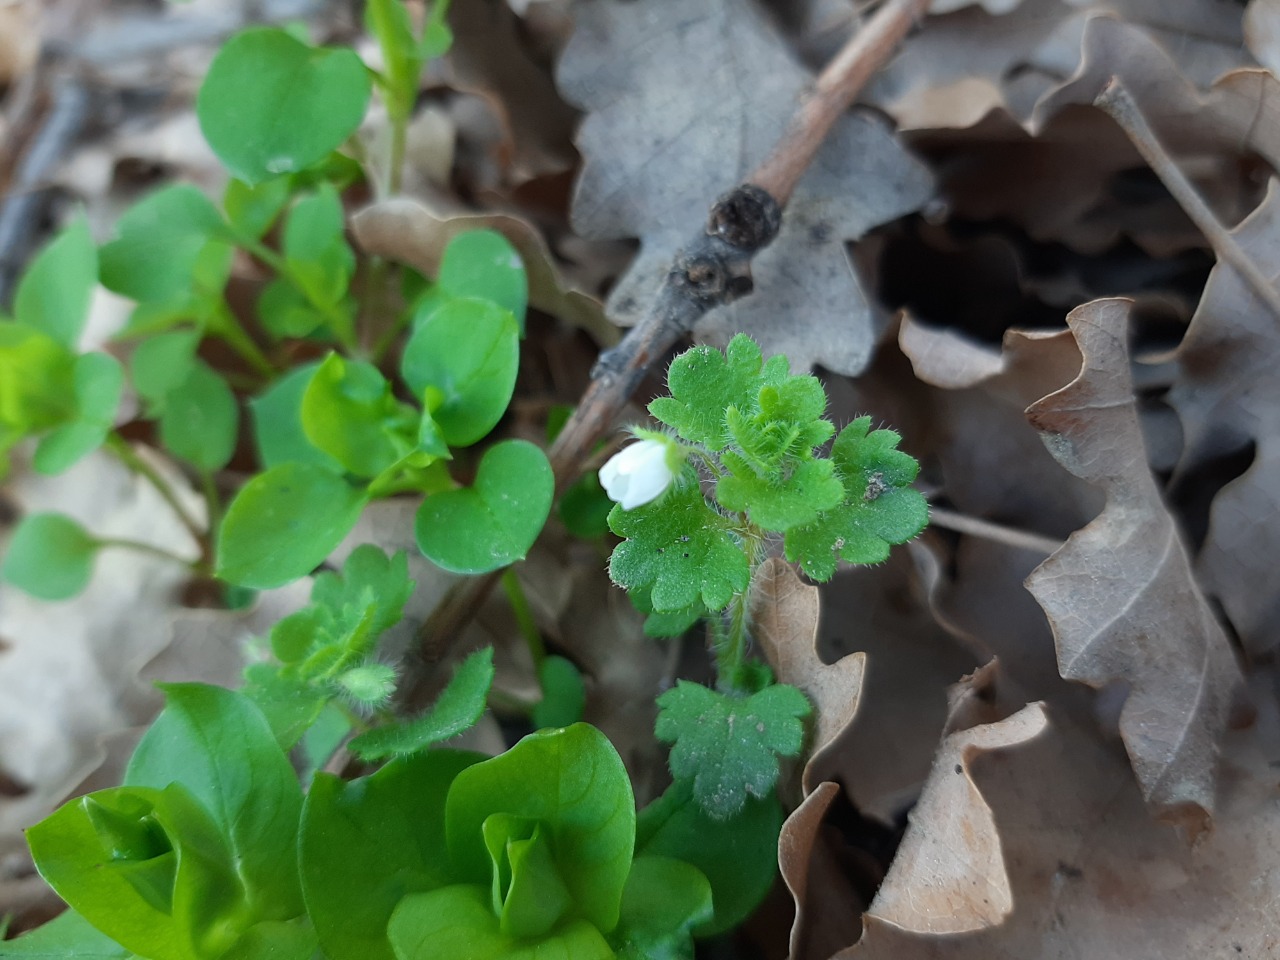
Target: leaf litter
{"x": 1020, "y": 815}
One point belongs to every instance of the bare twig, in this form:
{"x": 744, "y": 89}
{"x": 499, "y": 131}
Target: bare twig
{"x": 995, "y": 532}
{"x": 1122, "y": 108}
{"x": 713, "y": 270}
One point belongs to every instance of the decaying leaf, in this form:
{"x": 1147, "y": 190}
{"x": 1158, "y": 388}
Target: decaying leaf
{"x": 949, "y": 874}
{"x": 412, "y": 233}
{"x": 1092, "y": 875}
{"x": 1120, "y": 594}
{"x": 684, "y": 99}
{"x": 1227, "y": 397}
{"x": 784, "y": 613}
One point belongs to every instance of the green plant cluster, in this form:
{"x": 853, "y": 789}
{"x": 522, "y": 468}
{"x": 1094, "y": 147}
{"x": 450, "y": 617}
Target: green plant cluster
{"x": 358, "y": 381}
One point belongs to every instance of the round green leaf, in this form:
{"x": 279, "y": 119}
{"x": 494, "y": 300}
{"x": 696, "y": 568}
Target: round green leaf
{"x": 201, "y": 420}
{"x": 271, "y": 104}
{"x": 283, "y": 523}
{"x": 467, "y": 351}
{"x": 99, "y": 381}
{"x": 574, "y": 783}
{"x": 277, "y": 423}
{"x": 54, "y": 293}
{"x": 50, "y": 556}
{"x": 161, "y": 363}
{"x": 494, "y": 522}
{"x": 349, "y": 413}
{"x": 563, "y": 694}
{"x": 484, "y": 264}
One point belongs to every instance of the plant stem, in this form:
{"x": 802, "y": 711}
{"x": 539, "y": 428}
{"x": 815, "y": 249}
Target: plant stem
{"x": 975, "y": 527}
{"x": 121, "y": 449}
{"x": 1116, "y": 101}
{"x": 141, "y": 547}
{"x": 238, "y": 339}
{"x": 524, "y": 617}
{"x": 731, "y": 648}
{"x": 213, "y": 503}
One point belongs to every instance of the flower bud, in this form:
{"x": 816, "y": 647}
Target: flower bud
{"x": 638, "y": 473}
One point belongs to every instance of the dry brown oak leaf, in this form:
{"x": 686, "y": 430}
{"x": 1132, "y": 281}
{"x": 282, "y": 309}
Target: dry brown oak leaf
{"x": 685, "y": 98}
{"x": 1120, "y": 595}
{"x": 1228, "y": 395}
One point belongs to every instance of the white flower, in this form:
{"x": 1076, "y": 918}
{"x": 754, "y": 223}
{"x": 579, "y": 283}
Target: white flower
{"x": 637, "y": 474}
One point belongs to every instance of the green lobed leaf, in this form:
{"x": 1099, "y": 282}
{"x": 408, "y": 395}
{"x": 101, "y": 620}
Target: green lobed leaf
{"x": 673, "y": 623}
{"x": 574, "y": 783}
{"x": 148, "y": 867}
{"x": 729, "y": 746}
{"x": 680, "y": 550}
{"x": 457, "y": 709}
{"x": 739, "y": 855}
{"x": 564, "y": 695}
{"x": 271, "y": 104}
{"x": 494, "y": 522}
{"x": 462, "y": 360}
{"x": 277, "y": 423}
{"x": 458, "y": 922}
{"x": 663, "y": 901}
{"x": 348, "y": 412}
{"x": 98, "y": 384}
{"x": 50, "y": 556}
{"x": 201, "y": 419}
{"x": 370, "y": 579}
{"x": 283, "y": 523}
{"x": 484, "y": 264}
{"x": 67, "y": 936}
{"x": 55, "y": 291}
{"x": 704, "y": 383}
{"x": 216, "y": 743}
{"x": 163, "y": 244}
{"x": 809, "y": 488}
{"x": 382, "y": 835}
{"x": 879, "y": 509}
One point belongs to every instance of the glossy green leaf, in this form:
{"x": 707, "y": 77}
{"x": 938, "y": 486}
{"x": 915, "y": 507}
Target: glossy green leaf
{"x": 529, "y": 896}
{"x": 161, "y": 363}
{"x": 680, "y": 550}
{"x": 67, "y": 936}
{"x": 201, "y": 419}
{"x": 457, "y": 709}
{"x": 271, "y": 104}
{"x": 458, "y": 922}
{"x": 483, "y": 264}
{"x": 252, "y": 210}
{"x": 277, "y": 423}
{"x": 163, "y": 244}
{"x": 879, "y": 508}
{"x": 463, "y": 358}
{"x": 563, "y": 693}
{"x": 99, "y": 381}
{"x": 494, "y": 522}
{"x": 275, "y": 940}
{"x": 664, "y": 900}
{"x": 50, "y": 556}
{"x": 573, "y": 782}
{"x": 56, "y": 289}
{"x": 315, "y": 248}
{"x": 738, "y": 856}
{"x": 382, "y": 835}
{"x": 729, "y": 745}
{"x": 349, "y": 413}
{"x": 216, "y": 743}
{"x": 148, "y": 867}
{"x": 283, "y": 523}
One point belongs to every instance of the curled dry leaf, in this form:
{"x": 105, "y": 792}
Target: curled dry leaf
{"x": 1262, "y": 32}
{"x": 1092, "y": 875}
{"x": 412, "y": 233}
{"x": 784, "y": 612}
{"x": 685, "y": 98}
{"x": 949, "y": 874}
{"x": 1228, "y": 396}
{"x": 1120, "y": 595}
